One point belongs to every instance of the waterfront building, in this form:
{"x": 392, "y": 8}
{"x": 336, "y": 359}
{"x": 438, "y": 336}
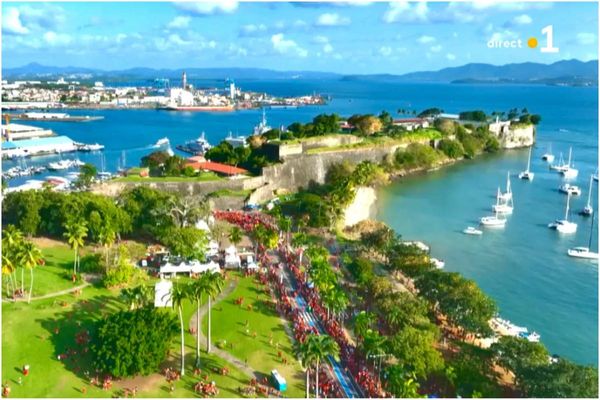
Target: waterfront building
{"x": 37, "y": 146}
{"x": 221, "y": 169}
{"x": 13, "y": 131}
{"x": 410, "y": 124}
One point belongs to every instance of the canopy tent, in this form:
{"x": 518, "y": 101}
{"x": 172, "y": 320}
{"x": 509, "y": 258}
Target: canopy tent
{"x": 192, "y": 267}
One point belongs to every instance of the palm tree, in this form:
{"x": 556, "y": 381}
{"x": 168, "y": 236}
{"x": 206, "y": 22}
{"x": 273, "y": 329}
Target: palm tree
{"x": 30, "y": 256}
{"x": 107, "y": 237}
{"x": 321, "y": 347}
{"x": 339, "y": 302}
{"x": 76, "y": 232}
{"x": 196, "y": 289}
{"x": 363, "y": 322}
{"x": 303, "y": 351}
{"x": 8, "y": 269}
{"x": 178, "y": 295}
{"x": 214, "y": 286}
{"x": 373, "y": 344}
{"x": 12, "y": 239}
{"x": 235, "y": 235}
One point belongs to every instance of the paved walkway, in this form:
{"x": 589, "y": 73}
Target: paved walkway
{"x": 214, "y": 349}
{"x": 87, "y": 278}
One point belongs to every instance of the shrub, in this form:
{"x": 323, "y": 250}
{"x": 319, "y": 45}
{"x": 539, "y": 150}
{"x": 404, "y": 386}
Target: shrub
{"x": 451, "y": 148}
{"x": 135, "y": 342}
{"x": 416, "y": 155}
{"x": 91, "y": 263}
{"x": 124, "y": 272}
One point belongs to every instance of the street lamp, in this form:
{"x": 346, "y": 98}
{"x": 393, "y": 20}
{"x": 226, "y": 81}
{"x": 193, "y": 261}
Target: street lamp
{"x": 379, "y": 356}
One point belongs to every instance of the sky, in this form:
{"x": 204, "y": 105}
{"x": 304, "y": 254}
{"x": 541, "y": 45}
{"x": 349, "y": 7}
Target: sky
{"x": 347, "y": 37}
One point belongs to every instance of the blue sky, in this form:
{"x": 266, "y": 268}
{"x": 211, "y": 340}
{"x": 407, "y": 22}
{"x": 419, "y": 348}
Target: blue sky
{"x": 349, "y": 37}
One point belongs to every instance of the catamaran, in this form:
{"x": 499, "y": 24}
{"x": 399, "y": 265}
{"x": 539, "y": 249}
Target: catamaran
{"x": 585, "y": 252}
{"x": 527, "y": 174}
{"x": 595, "y": 176}
{"x": 548, "y": 156}
{"x": 564, "y": 225}
{"x": 503, "y": 207}
{"x": 570, "y": 189}
{"x": 588, "y": 209}
{"x": 506, "y": 196}
{"x": 570, "y": 172}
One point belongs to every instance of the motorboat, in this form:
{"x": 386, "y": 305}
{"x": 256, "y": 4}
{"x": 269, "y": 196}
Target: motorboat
{"x": 570, "y": 189}
{"x": 564, "y": 225}
{"x": 472, "y": 231}
{"x": 78, "y": 163}
{"x": 548, "y": 156}
{"x": 60, "y": 165}
{"x": 439, "y": 264}
{"x": 505, "y": 327}
{"x": 506, "y": 196}
{"x": 533, "y": 337}
{"x": 527, "y": 174}
{"x": 198, "y": 146}
{"x": 569, "y": 172}
{"x": 585, "y": 252}
{"x": 262, "y": 126}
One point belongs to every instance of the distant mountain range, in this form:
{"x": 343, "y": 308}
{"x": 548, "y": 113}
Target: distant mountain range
{"x": 566, "y": 72}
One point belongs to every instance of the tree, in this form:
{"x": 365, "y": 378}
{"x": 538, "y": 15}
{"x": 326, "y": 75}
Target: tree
{"x": 363, "y": 322}
{"x": 476, "y": 115}
{"x": 188, "y": 210}
{"x": 304, "y": 352}
{"x": 415, "y": 350}
{"x": 137, "y": 297}
{"x": 30, "y": 256}
{"x": 235, "y": 235}
{"x": 188, "y": 242}
{"x": 220, "y": 230}
{"x": 368, "y": 124}
{"x": 451, "y": 148}
{"x": 321, "y": 347}
{"x": 560, "y": 379}
{"x": 12, "y": 240}
{"x": 446, "y": 126}
{"x": 75, "y": 233}
{"x": 178, "y": 295}
{"x": 515, "y": 353}
{"x": 196, "y": 289}
{"x": 135, "y": 342}
{"x": 386, "y": 119}
{"x": 401, "y": 383}
{"x": 214, "y": 285}
{"x": 430, "y": 112}
{"x": 87, "y": 174}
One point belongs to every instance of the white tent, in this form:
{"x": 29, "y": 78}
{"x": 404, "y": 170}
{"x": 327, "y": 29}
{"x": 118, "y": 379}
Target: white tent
{"x": 213, "y": 248}
{"x": 162, "y": 294}
{"x": 195, "y": 267}
{"x": 232, "y": 257}
{"x": 202, "y": 225}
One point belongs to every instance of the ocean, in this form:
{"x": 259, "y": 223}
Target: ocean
{"x": 524, "y": 266}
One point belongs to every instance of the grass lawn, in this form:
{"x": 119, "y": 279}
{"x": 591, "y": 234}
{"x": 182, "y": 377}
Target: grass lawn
{"x": 229, "y": 323}
{"x": 205, "y": 176}
{"x": 37, "y": 333}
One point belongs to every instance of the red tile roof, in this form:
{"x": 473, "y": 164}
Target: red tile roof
{"x": 218, "y": 167}
{"x": 407, "y": 120}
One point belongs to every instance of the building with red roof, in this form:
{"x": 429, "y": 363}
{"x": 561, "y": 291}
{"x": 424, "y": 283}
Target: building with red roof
{"x": 216, "y": 167}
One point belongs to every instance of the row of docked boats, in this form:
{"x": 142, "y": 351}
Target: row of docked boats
{"x": 16, "y": 172}
{"x": 65, "y": 164}
{"x": 506, "y": 328}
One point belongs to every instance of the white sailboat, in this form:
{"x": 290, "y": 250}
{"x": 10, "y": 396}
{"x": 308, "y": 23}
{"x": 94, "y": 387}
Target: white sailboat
{"x": 560, "y": 166}
{"x": 508, "y": 194}
{"x": 569, "y": 172}
{"x": 548, "y": 156}
{"x": 492, "y": 221}
{"x": 472, "y": 231}
{"x": 584, "y": 252}
{"x": 503, "y": 207}
{"x": 564, "y": 225}
{"x": 588, "y": 209}
{"x": 570, "y": 189}
{"x": 527, "y": 174}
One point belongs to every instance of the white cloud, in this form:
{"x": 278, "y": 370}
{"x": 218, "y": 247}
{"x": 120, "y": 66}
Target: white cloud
{"x": 332, "y": 19}
{"x": 44, "y": 16}
{"x": 522, "y": 19}
{"x": 586, "y": 38}
{"x": 327, "y": 48}
{"x": 321, "y": 39}
{"x": 56, "y": 39}
{"x": 179, "y": 22}
{"x": 252, "y": 29}
{"x": 11, "y": 22}
{"x": 450, "y": 57}
{"x": 207, "y": 7}
{"x": 287, "y": 46}
{"x": 436, "y": 48}
{"x": 504, "y": 35}
{"x": 385, "y": 51}
{"x": 426, "y": 39}
{"x": 299, "y": 23}
{"x": 403, "y": 11}
{"x": 359, "y": 3}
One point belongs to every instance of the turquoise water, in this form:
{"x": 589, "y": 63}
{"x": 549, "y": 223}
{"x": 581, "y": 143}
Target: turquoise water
{"x": 523, "y": 267}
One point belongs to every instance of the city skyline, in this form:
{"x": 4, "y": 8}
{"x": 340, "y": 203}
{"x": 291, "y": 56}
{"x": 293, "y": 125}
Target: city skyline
{"x": 358, "y": 37}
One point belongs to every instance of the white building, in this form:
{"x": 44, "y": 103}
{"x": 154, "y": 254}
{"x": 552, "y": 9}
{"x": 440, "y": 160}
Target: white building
{"x": 181, "y": 97}
{"x": 31, "y": 147}
{"x": 18, "y": 131}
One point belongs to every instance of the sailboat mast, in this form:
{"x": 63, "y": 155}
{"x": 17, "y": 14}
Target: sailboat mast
{"x": 570, "y": 151}
{"x": 567, "y": 210}
{"x": 591, "y": 232}
{"x": 508, "y": 182}
{"x": 590, "y": 191}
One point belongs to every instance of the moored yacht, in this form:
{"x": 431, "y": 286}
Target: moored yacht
{"x": 585, "y": 252}
{"x": 588, "y": 209}
{"x": 506, "y": 196}
{"x": 570, "y": 189}
{"x": 560, "y": 166}
{"x": 503, "y": 207}
{"x": 527, "y": 174}
{"x": 564, "y": 225}
{"x": 548, "y": 156}
{"x": 569, "y": 172}
{"x": 472, "y": 231}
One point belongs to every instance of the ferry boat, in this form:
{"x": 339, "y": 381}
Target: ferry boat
{"x": 237, "y": 141}
{"x": 197, "y": 146}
